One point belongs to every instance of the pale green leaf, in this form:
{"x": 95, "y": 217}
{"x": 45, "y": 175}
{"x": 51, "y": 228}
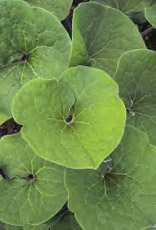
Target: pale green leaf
{"x": 59, "y": 8}
{"x": 32, "y": 190}
{"x": 33, "y": 44}
{"x": 77, "y": 123}
{"x": 136, "y": 77}
{"x": 150, "y": 14}
{"x": 123, "y": 197}
{"x": 101, "y": 35}
{"x": 127, "y": 6}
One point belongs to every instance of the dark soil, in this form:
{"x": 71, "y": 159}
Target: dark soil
{"x": 148, "y": 33}
{"x": 9, "y": 127}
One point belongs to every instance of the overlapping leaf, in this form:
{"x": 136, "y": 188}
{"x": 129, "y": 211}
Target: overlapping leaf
{"x": 150, "y": 14}
{"x": 100, "y": 35}
{"x": 32, "y": 190}
{"x": 59, "y": 8}
{"x": 121, "y": 193}
{"x": 33, "y": 44}
{"x": 127, "y": 6}
{"x": 67, "y": 222}
{"x": 136, "y": 77}
{"x": 76, "y": 123}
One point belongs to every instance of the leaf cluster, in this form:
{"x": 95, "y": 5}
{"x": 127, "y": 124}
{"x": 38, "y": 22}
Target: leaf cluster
{"x": 85, "y": 156}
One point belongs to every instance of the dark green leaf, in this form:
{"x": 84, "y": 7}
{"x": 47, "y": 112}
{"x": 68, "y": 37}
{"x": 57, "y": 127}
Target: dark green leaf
{"x": 127, "y": 6}
{"x": 124, "y": 196}
{"x": 150, "y": 14}
{"x": 100, "y": 35}
{"x": 136, "y": 76}
{"x": 33, "y": 45}
{"x": 32, "y": 190}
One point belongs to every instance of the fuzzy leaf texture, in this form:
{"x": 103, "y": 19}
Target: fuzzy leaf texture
{"x": 33, "y": 45}
{"x": 121, "y": 193}
{"x": 32, "y": 190}
{"x": 75, "y": 122}
{"x": 100, "y": 35}
{"x": 136, "y": 77}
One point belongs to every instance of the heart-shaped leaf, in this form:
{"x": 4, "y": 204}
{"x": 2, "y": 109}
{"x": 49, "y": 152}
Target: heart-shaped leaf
{"x": 124, "y": 194}
{"x": 32, "y": 190}
{"x": 59, "y": 8}
{"x": 127, "y": 6}
{"x": 77, "y": 123}
{"x": 136, "y": 76}
{"x": 150, "y": 14}
{"x": 33, "y": 45}
{"x": 100, "y": 35}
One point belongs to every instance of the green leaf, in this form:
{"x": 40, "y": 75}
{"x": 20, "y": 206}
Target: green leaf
{"x": 3, "y": 118}
{"x": 36, "y": 227}
{"x": 27, "y": 227}
{"x": 100, "y": 35}
{"x": 11, "y": 227}
{"x": 136, "y": 76}
{"x": 55, "y": 219}
{"x": 64, "y": 220}
{"x": 33, "y": 45}
{"x": 77, "y": 123}
{"x": 2, "y": 226}
{"x": 123, "y": 197}
{"x": 32, "y": 190}
{"x": 150, "y": 14}
{"x": 127, "y": 6}
{"x": 68, "y": 222}
{"x": 60, "y": 8}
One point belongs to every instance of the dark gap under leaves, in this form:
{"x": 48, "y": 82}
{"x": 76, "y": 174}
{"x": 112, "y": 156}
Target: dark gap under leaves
{"x": 148, "y": 34}
{"x": 67, "y": 22}
{"x": 9, "y": 127}
{"x": 3, "y": 174}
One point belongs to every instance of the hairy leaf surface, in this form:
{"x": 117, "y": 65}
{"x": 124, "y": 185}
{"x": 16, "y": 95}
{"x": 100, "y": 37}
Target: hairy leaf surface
{"x": 100, "y": 35}
{"x": 136, "y": 77}
{"x": 75, "y": 122}
{"x": 60, "y": 8}
{"x": 32, "y": 190}
{"x": 33, "y": 44}
{"x": 124, "y": 196}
